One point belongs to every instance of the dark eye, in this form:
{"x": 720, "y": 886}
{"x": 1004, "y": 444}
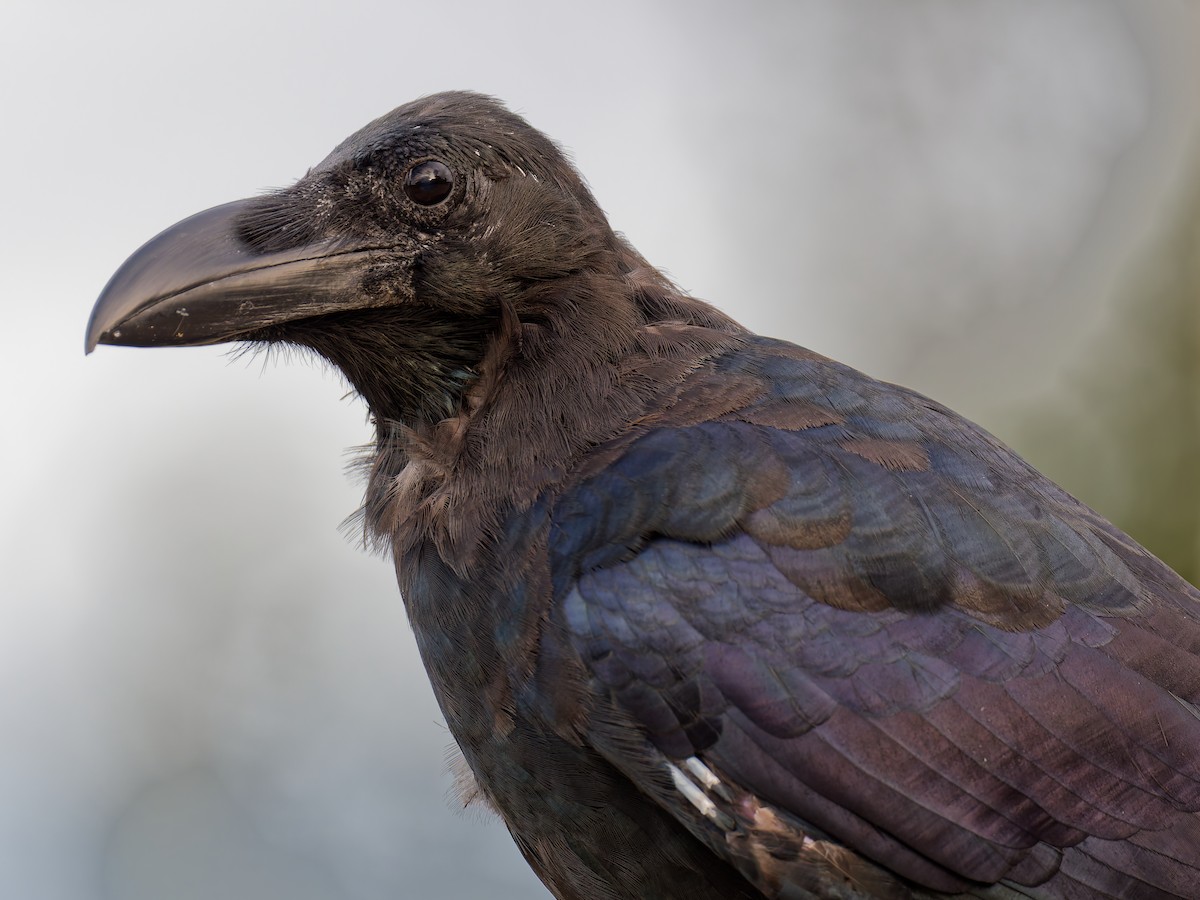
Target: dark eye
{"x": 428, "y": 183}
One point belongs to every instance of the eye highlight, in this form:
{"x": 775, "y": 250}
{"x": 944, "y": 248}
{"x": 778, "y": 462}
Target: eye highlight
{"x": 428, "y": 183}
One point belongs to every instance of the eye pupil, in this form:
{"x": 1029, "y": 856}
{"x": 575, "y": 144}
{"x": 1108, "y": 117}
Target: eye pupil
{"x": 428, "y": 183}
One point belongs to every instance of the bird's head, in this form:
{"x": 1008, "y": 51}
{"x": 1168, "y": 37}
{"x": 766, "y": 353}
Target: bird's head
{"x": 397, "y": 257}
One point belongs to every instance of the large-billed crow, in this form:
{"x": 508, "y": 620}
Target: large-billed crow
{"x": 709, "y": 615}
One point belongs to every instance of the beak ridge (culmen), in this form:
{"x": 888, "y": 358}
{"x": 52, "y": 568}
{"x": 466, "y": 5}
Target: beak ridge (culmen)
{"x": 199, "y": 283}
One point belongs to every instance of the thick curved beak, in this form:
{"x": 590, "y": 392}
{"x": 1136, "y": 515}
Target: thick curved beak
{"x": 199, "y": 283}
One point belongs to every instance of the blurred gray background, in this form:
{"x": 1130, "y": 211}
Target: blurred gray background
{"x": 207, "y": 690}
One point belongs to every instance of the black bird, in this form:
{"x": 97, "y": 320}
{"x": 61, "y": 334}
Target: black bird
{"x": 708, "y": 614}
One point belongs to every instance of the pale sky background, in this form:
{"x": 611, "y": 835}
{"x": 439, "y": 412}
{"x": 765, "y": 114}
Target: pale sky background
{"x": 206, "y": 690}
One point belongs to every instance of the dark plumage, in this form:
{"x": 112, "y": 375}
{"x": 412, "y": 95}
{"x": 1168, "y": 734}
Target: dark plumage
{"x": 709, "y": 615}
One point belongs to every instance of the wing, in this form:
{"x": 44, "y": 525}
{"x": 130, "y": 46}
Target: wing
{"x": 860, "y": 649}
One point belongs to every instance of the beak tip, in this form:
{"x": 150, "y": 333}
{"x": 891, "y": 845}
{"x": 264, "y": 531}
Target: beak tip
{"x": 94, "y": 335}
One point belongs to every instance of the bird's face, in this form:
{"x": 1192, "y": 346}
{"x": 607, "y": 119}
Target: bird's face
{"x": 394, "y": 258}
{"x": 445, "y": 207}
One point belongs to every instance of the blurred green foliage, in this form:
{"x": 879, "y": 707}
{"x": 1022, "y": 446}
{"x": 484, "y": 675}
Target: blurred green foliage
{"x": 1126, "y": 436}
